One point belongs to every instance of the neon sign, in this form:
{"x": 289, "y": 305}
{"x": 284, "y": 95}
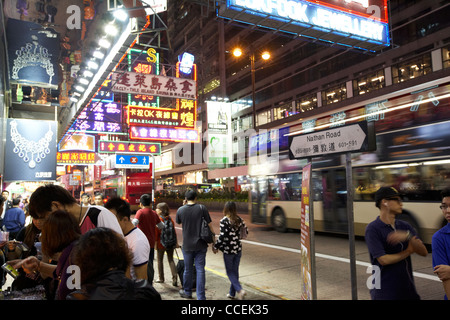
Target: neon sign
{"x": 76, "y": 158}
{"x": 100, "y": 117}
{"x": 183, "y": 116}
{"x": 342, "y": 22}
{"x": 164, "y": 134}
{"x": 129, "y": 147}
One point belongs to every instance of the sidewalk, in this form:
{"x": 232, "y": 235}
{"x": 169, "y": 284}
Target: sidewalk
{"x": 217, "y": 286}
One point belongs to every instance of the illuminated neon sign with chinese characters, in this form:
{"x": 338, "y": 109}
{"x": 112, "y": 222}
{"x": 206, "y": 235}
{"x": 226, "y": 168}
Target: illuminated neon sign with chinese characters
{"x": 76, "y": 158}
{"x": 183, "y": 116}
{"x": 100, "y": 117}
{"x": 164, "y": 134}
{"x": 129, "y": 147}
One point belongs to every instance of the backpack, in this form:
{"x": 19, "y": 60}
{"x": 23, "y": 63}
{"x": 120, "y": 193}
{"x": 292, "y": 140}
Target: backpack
{"x": 168, "y": 235}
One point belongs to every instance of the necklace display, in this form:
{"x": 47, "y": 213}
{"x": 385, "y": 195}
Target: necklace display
{"x": 30, "y": 151}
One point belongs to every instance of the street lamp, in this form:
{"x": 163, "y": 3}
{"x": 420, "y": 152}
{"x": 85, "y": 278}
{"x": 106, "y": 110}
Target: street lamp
{"x": 265, "y": 55}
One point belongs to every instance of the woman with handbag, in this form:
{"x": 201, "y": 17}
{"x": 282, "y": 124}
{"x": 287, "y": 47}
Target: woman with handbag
{"x": 232, "y": 230}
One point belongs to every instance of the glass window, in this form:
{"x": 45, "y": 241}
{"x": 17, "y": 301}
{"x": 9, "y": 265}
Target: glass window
{"x": 263, "y": 118}
{"x": 446, "y": 57}
{"x": 306, "y": 103}
{"x": 334, "y": 94}
{"x": 368, "y": 83}
{"x": 282, "y": 111}
{"x": 416, "y": 182}
{"x": 411, "y": 69}
{"x": 285, "y": 187}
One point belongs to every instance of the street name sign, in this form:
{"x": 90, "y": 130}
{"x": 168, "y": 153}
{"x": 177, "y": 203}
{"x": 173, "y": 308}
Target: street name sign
{"x": 357, "y": 137}
{"x": 124, "y": 161}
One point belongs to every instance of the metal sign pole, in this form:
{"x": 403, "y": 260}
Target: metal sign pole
{"x": 350, "y": 216}
{"x": 312, "y": 240}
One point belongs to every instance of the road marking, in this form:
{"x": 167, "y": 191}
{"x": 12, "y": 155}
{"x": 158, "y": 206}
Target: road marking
{"x": 340, "y": 259}
{"x": 330, "y": 257}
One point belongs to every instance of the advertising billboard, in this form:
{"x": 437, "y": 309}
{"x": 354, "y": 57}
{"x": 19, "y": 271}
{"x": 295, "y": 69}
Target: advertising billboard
{"x": 30, "y": 150}
{"x": 361, "y": 24}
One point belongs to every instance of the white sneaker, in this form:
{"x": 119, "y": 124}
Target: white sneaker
{"x": 230, "y": 296}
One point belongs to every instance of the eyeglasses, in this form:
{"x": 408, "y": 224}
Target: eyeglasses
{"x": 444, "y": 206}
{"x": 395, "y": 199}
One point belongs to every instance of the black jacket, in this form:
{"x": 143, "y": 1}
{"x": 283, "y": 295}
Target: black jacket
{"x": 114, "y": 285}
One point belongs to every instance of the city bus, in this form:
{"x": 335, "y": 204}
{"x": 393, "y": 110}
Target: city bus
{"x": 413, "y": 155}
{"x": 129, "y": 187}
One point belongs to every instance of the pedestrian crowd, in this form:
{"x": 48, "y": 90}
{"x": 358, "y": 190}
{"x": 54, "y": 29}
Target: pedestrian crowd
{"x": 80, "y": 251}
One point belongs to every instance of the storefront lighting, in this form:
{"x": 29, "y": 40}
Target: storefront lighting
{"x": 98, "y": 54}
{"x": 93, "y": 65}
{"x": 121, "y": 15}
{"x": 111, "y": 29}
{"x": 104, "y": 43}
{"x": 88, "y": 74}
{"x": 80, "y": 88}
{"x": 83, "y": 81}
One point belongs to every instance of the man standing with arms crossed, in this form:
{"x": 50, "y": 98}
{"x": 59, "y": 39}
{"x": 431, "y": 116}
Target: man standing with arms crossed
{"x": 441, "y": 246}
{"x": 391, "y": 243}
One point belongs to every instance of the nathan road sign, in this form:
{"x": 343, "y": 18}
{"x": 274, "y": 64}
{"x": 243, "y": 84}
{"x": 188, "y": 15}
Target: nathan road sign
{"x": 357, "y": 137}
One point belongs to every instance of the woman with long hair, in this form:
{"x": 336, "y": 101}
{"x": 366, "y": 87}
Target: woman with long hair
{"x": 229, "y": 242}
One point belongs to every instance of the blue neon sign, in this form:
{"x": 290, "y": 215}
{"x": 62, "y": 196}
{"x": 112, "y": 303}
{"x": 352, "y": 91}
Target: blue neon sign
{"x": 318, "y": 17}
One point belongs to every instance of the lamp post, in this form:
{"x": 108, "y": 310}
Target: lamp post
{"x": 237, "y": 52}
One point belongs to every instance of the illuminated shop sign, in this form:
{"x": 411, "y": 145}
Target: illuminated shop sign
{"x": 150, "y": 84}
{"x": 183, "y": 116}
{"x": 100, "y": 117}
{"x": 147, "y": 62}
{"x": 80, "y": 142}
{"x": 164, "y": 134}
{"x": 129, "y": 147}
{"x": 345, "y": 22}
{"x": 76, "y": 158}
{"x": 104, "y": 93}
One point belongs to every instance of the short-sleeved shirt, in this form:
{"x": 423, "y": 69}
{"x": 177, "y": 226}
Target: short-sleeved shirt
{"x": 98, "y": 216}
{"x": 396, "y": 280}
{"x": 190, "y": 218}
{"x": 148, "y": 219}
{"x": 441, "y": 247}
{"x": 139, "y": 246}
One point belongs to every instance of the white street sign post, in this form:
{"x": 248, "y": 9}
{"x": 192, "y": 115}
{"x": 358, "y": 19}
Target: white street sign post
{"x": 357, "y": 137}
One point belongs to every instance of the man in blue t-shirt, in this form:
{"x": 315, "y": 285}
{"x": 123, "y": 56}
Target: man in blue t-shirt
{"x": 14, "y": 219}
{"x": 390, "y": 243}
{"x": 441, "y": 246}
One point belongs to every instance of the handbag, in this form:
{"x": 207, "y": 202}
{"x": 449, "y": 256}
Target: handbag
{"x": 205, "y": 231}
{"x": 243, "y": 232}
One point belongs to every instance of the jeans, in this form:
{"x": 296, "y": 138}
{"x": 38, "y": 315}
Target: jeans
{"x": 199, "y": 259}
{"x": 150, "y": 269}
{"x": 232, "y": 267}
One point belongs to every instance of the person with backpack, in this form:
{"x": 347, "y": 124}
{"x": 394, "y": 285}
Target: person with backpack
{"x": 232, "y": 231}
{"x": 166, "y": 239}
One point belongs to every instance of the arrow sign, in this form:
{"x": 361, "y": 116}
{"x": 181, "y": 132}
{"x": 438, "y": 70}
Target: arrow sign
{"x": 356, "y": 137}
{"x": 132, "y": 161}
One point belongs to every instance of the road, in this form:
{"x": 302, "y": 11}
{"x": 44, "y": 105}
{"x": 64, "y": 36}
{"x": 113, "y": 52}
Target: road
{"x": 271, "y": 263}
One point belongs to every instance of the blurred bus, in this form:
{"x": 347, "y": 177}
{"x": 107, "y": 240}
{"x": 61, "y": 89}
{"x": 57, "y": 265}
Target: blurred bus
{"x": 413, "y": 155}
{"x": 129, "y": 187}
